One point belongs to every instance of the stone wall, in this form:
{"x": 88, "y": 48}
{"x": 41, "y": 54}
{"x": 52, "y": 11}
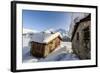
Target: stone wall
{"x": 80, "y": 42}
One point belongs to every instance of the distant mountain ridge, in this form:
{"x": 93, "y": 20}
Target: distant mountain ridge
{"x": 63, "y": 32}
{"x": 25, "y": 30}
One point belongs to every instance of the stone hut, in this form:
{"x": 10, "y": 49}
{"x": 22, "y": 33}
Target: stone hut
{"x": 81, "y": 38}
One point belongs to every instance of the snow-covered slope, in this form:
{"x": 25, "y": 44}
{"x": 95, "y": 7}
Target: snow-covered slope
{"x": 27, "y": 35}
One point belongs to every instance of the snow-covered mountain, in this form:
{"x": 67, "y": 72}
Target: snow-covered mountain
{"x": 49, "y": 30}
{"x": 25, "y": 30}
{"x": 62, "y": 31}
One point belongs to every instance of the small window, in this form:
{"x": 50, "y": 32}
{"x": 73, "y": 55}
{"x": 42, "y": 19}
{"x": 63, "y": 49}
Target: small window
{"x": 86, "y": 33}
{"x": 77, "y": 35}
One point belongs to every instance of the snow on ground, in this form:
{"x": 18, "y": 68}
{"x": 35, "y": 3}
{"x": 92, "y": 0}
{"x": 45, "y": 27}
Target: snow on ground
{"x": 61, "y": 53}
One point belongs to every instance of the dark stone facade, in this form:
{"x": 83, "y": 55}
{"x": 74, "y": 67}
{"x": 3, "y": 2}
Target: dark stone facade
{"x": 81, "y": 38}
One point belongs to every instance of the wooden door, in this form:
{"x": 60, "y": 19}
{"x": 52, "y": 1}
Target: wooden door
{"x": 47, "y": 51}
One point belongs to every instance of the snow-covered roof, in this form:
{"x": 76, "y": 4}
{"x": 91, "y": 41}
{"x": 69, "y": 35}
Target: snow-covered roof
{"x": 44, "y": 37}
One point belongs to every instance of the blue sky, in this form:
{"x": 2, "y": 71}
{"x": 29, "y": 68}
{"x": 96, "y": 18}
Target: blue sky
{"x": 44, "y": 20}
